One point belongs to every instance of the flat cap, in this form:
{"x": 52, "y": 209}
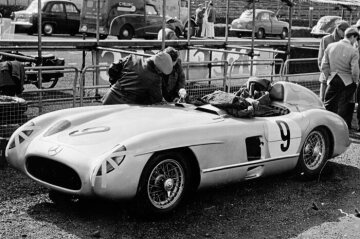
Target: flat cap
{"x": 163, "y": 62}
{"x": 343, "y": 25}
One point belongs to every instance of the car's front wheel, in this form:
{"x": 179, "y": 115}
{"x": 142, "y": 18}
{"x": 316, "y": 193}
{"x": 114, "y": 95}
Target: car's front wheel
{"x": 314, "y": 153}
{"x": 284, "y": 33}
{"x": 48, "y": 29}
{"x": 260, "y": 34}
{"x": 164, "y": 184}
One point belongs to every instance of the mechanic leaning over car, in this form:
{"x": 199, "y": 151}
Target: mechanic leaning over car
{"x": 340, "y": 66}
{"x": 136, "y": 80}
{"x": 173, "y": 83}
{"x": 169, "y": 31}
{"x": 335, "y": 36}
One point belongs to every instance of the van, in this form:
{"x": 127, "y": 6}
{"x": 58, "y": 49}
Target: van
{"x": 129, "y": 18}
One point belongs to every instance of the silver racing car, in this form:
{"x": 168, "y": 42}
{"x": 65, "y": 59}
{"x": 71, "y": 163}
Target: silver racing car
{"x": 158, "y": 155}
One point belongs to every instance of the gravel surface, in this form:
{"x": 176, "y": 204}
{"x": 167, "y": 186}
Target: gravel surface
{"x": 274, "y": 207}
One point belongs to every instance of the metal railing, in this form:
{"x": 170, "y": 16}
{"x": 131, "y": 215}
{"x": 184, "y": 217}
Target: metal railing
{"x": 258, "y": 62}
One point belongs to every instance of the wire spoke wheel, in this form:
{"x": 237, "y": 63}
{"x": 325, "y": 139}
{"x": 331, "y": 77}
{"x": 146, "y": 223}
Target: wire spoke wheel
{"x": 314, "y": 153}
{"x": 314, "y": 150}
{"x": 166, "y": 183}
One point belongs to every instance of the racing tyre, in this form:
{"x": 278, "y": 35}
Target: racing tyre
{"x": 260, "y": 34}
{"x": 314, "y": 154}
{"x": 126, "y": 32}
{"x": 164, "y": 184}
{"x": 48, "y": 29}
{"x": 284, "y": 33}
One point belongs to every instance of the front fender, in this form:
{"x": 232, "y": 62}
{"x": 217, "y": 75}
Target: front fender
{"x": 334, "y": 123}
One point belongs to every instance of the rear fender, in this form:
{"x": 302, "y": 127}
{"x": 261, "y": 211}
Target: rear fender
{"x": 134, "y": 20}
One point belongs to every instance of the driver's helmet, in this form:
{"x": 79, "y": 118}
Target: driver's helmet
{"x": 257, "y": 85}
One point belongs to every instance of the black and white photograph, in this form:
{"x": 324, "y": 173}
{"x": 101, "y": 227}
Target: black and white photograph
{"x": 143, "y": 119}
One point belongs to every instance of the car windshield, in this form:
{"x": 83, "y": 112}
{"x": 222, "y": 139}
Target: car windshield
{"x": 325, "y": 20}
{"x": 33, "y": 7}
{"x": 248, "y": 14}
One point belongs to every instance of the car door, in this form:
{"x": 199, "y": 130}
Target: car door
{"x": 153, "y": 21}
{"x": 56, "y": 15}
{"x": 264, "y": 22}
{"x": 72, "y": 17}
{"x": 276, "y": 27}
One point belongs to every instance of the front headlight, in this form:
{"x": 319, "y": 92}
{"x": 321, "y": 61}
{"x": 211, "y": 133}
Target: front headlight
{"x": 83, "y": 28}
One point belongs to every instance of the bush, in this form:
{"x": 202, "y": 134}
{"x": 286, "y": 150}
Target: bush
{"x": 7, "y": 10}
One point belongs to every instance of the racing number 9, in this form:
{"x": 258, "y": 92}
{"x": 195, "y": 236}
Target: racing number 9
{"x": 284, "y": 137}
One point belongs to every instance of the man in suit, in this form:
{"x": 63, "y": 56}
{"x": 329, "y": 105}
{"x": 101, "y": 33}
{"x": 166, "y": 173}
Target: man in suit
{"x": 335, "y": 36}
{"x": 340, "y": 66}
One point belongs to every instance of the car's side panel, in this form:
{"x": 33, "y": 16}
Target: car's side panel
{"x": 264, "y": 22}
{"x": 276, "y": 26}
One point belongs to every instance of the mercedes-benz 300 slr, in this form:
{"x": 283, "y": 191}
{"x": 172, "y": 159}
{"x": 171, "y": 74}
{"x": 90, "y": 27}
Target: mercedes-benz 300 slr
{"x": 156, "y": 156}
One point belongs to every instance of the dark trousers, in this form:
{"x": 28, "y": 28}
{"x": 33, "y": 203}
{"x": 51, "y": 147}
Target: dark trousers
{"x": 198, "y": 32}
{"x": 338, "y": 98}
{"x": 9, "y": 90}
{"x": 358, "y": 108}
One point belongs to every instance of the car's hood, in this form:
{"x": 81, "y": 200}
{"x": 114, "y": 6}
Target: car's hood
{"x": 24, "y": 13}
{"x": 116, "y": 123}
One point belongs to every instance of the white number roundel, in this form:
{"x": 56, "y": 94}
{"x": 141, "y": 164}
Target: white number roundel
{"x": 284, "y": 137}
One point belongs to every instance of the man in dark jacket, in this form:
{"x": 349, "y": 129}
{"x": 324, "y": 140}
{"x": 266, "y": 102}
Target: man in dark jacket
{"x": 136, "y": 80}
{"x": 173, "y": 83}
{"x": 199, "y": 15}
{"x": 170, "y": 33}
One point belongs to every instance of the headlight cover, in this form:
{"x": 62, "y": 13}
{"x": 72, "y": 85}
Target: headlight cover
{"x": 112, "y": 162}
{"x": 25, "y": 132}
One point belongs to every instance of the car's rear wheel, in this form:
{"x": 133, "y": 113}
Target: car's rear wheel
{"x": 314, "y": 153}
{"x": 260, "y": 34}
{"x": 164, "y": 184}
{"x": 284, "y": 33}
{"x": 48, "y": 29}
{"x": 126, "y": 32}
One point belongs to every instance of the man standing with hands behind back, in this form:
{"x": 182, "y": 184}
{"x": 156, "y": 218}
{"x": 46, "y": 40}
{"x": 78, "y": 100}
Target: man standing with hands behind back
{"x": 340, "y": 66}
{"x": 335, "y": 36}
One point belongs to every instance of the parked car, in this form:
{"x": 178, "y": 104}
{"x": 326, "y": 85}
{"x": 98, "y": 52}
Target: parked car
{"x": 266, "y": 24}
{"x": 58, "y": 16}
{"x": 158, "y": 155}
{"x": 325, "y": 26}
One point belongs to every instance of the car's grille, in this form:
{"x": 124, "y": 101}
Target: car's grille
{"x": 53, "y": 172}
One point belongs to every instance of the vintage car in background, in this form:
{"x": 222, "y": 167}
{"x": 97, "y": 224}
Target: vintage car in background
{"x": 266, "y": 24}
{"x": 58, "y": 16}
{"x": 325, "y": 26}
{"x": 157, "y": 155}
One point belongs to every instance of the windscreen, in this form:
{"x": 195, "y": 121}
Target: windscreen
{"x": 248, "y": 14}
{"x": 33, "y": 7}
